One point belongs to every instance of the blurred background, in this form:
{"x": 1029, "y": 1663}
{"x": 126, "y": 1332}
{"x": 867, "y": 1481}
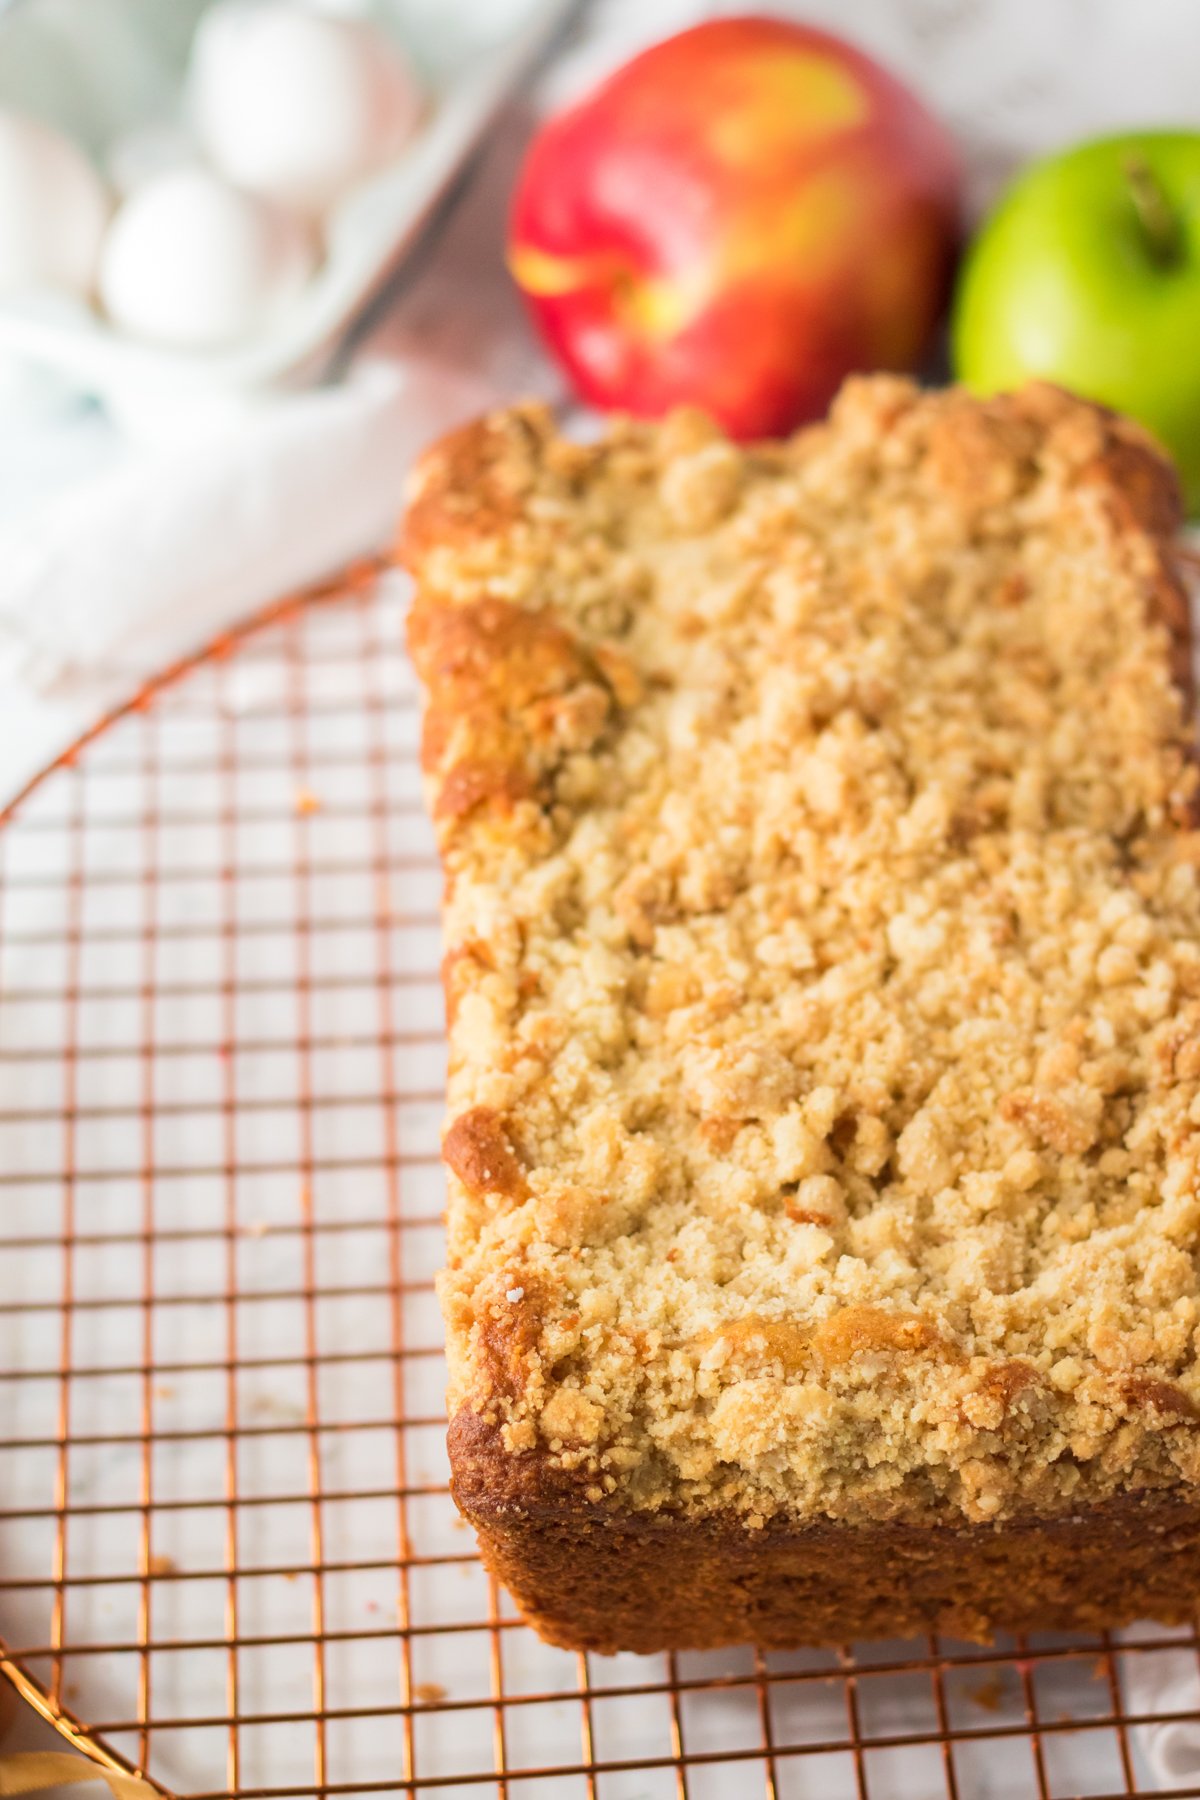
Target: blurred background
{"x": 186, "y": 338}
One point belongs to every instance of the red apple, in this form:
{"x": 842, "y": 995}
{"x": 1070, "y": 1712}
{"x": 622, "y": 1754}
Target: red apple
{"x": 736, "y": 219}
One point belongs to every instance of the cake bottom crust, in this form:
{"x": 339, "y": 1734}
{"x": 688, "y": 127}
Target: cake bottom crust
{"x": 588, "y": 1578}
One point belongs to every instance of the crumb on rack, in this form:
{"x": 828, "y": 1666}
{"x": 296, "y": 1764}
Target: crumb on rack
{"x": 988, "y": 1694}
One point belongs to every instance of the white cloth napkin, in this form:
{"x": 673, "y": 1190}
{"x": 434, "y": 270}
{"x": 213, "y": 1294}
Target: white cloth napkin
{"x": 149, "y": 558}
{"x": 198, "y": 531}
{"x": 103, "y": 586}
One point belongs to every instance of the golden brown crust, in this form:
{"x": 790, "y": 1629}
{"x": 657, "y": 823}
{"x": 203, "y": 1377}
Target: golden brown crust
{"x": 477, "y": 1151}
{"x": 509, "y": 692}
{"x": 823, "y": 954}
{"x": 1138, "y": 487}
{"x": 1145, "y": 503}
{"x": 700, "y": 1590}
{"x": 471, "y": 484}
{"x": 594, "y": 1578}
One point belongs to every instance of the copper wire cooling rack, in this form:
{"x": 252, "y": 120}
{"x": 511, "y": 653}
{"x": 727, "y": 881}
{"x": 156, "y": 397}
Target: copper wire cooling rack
{"x": 228, "y": 1557}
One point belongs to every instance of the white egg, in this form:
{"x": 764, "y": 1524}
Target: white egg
{"x": 53, "y": 209}
{"x": 296, "y": 103}
{"x": 192, "y": 262}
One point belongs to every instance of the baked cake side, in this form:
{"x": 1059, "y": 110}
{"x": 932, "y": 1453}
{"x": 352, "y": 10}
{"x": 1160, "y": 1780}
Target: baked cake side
{"x": 823, "y": 968}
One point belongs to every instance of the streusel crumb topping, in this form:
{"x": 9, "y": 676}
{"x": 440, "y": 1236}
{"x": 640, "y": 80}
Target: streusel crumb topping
{"x": 822, "y": 954}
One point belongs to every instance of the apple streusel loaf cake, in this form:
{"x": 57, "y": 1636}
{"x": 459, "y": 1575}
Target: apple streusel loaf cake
{"x": 823, "y": 968}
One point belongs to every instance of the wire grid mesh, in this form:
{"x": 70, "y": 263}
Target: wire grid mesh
{"x": 226, "y": 1540}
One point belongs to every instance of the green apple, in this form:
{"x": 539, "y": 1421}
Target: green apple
{"x": 1088, "y": 274}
